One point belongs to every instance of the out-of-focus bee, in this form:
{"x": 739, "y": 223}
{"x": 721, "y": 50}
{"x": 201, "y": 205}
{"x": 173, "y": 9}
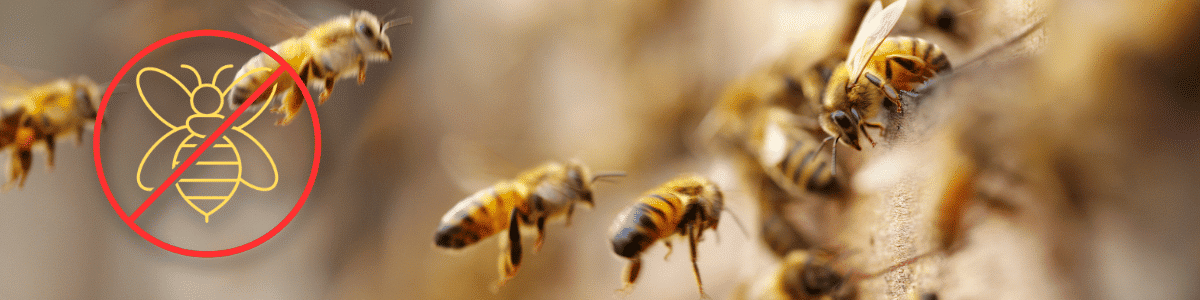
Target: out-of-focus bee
{"x": 549, "y": 191}
{"x": 321, "y": 54}
{"x": 877, "y": 68}
{"x": 684, "y": 206}
{"x": 803, "y": 275}
{"x": 38, "y": 115}
{"x": 792, "y": 156}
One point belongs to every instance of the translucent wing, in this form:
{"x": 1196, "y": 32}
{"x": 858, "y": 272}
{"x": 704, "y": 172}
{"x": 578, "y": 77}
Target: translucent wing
{"x": 876, "y": 26}
{"x": 273, "y": 22}
{"x": 472, "y": 165}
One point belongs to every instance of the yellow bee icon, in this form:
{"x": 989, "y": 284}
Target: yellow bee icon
{"x": 222, "y": 153}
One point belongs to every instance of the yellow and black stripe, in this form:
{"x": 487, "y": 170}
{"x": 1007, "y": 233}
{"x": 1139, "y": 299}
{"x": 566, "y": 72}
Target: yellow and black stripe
{"x": 481, "y": 215}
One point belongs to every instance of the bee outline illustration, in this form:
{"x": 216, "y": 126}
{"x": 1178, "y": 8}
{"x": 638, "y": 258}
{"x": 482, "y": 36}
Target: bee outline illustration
{"x": 237, "y": 182}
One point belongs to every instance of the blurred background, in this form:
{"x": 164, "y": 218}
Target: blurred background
{"x": 1080, "y": 144}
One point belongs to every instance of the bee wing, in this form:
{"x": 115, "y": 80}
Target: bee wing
{"x": 272, "y": 21}
{"x": 161, "y": 165}
{"x": 875, "y": 27}
{"x": 470, "y": 165}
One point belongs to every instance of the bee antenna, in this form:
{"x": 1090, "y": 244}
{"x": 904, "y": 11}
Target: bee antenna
{"x": 899, "y": 265}
{"x": 397, "y": 22}
{"x": 607, "y": 174}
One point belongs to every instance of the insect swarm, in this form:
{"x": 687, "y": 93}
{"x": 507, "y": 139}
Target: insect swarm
{"x": 338, "y": 48}
{"x": 684, "y": 206}
{"x": 546, "y": 192}
{"x": 41, "y": 114}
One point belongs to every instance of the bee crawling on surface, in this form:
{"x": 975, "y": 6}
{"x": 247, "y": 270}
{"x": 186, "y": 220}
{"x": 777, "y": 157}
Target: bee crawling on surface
{"x": 549, "y": 191}
{"x": 877, "y": 68}
{"x": 321, "y": 54}
{"x": 684, "y": 206}
{"x": 40, "y": 114}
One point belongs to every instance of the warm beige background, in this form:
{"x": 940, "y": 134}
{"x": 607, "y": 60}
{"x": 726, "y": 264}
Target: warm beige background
{"x": 620, "y": 85}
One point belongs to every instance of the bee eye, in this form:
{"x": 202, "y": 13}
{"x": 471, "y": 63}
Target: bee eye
{"x": 365, "y": 30}
{"x": 841, "y": 119}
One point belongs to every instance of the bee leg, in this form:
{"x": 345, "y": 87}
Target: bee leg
{"x": 882, "y": 130}
{"x": 362, "y": 70}
{"x": 50, "y": 152}
{"x": 668, "y": 244}
{"x": 25, "y": 156}
{"x": 541, "y": 234}
{"x": 328, "y": 90}
{"x": 631, "y": 274}
{"x": 293, "y": 100}
{"x": 693, "y": 235}
{"x": 510, "y": 255}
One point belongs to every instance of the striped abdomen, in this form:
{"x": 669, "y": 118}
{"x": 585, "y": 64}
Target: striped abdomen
{"x": 793, "y": 157}
{"x": 481, "y": 215}
{"x": 653, "y": 217}
{"x": 922, "y": 60}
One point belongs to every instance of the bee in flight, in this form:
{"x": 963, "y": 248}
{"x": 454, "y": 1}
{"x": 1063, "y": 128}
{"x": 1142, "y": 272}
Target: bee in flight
{"x": 39, "y": 114}
{"x": 547, "y": 192}
{"x": 321, "y": 54}
{"x": 684, "y": 206}
{"x": 877, "y": 68}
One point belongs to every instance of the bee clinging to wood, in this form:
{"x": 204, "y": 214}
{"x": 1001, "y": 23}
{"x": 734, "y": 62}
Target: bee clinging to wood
{"x": 547, "y": 192}
{"x": 321, "y": 54}
{"x": 39, "y": 115}
{"x": 877, "y": 68}
{"x": 684, "y": 206}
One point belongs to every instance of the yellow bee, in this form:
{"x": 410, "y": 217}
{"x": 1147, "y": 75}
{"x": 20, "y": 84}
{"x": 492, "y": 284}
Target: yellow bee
{"x": 321, "y": 54}
{"x": 684, "y": 206}
{"x": 38, "y": 115}
{"x": 549, "y": 191}
{"x": 877, "y": 68}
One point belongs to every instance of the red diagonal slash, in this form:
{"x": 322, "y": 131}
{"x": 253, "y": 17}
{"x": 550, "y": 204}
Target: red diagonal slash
{"x": 204, "y": 146}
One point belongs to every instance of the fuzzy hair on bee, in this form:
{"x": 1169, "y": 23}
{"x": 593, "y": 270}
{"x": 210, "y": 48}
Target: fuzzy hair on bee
{"x": 547, "y": 192}
{"x": 338, "y": 48}
{"x": 684, "y": 206}
{"x": 38, "y": 115}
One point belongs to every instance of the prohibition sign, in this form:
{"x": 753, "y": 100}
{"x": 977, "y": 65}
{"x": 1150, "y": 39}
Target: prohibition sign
{"x": 130, "y": 219}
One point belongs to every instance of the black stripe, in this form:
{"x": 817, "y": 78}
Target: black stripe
{"x": 669, "y": 203}
{"x": 807, "y": 159}
{"x": 874, "y": 79}
{"x": 939, "y": 61}
{"x": 887, "y": 68}
{"x": 651, "y": 208}
{"x": 912, "y": 46}
{"x": 647, "y": 223}
{"x": 928, "y": 49}
{"x": 467, "y": 219}
{"x": 783, "y": 164}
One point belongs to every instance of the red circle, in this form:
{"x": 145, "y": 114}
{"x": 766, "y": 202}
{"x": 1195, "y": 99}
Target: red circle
{"x": 316, "y": 144}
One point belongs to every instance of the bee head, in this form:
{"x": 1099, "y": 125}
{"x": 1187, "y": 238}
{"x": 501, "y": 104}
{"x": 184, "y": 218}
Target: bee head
{"x": 575, "y": 178}
{"x": 371, "y": 36}
{"x": 844, "y": 126}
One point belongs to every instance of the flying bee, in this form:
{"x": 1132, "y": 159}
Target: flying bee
{"x": 805, "y": 275}
{"x": 321, "y": 54}
{"x": 38, "y": 115}
{"x": 549, "y": 191}
{"x": 877, "y": 68}
{"x": 684, "y": 206}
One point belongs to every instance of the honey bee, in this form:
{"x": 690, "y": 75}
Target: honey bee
{"x": 321, "y": 54}
{"x": 893, "y": 66}
{"x": 549, "y": 191}
{"x": 684, "y": 206}
{"x": 38, "y": 115}
{"x": 792, "y": 156}
{"x": 804, "y": 275}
